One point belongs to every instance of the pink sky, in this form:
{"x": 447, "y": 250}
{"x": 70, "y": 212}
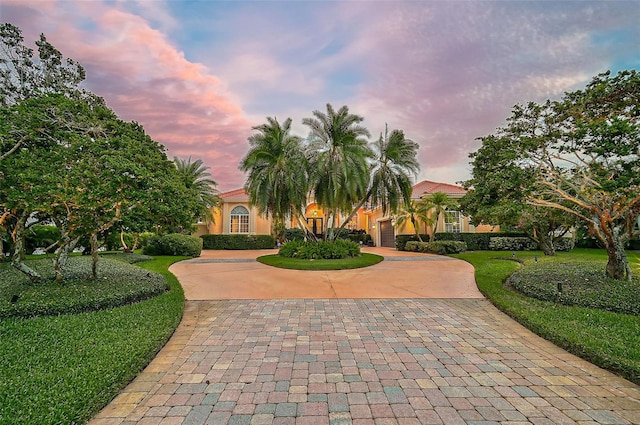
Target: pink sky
{"x": 199, "y": 75}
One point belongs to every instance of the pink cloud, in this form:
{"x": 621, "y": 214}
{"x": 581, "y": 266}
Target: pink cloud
{"x": 145, "y": 78}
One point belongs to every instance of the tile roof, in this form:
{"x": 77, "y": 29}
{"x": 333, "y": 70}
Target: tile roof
{"x": 237, "y": 193}
{"x": 423, "y": 188}
{"x": 427, "y": 187}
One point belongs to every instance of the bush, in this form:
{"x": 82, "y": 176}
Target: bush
{"x": 437, "y": 247}
{"x": 238, "y": 241}
{"x": 294, "y": 234}
{"x": 173, "y": 244}
{"x": 446, "y": 247}
{"x": 582, "y": 284}
{"x": 309, "y": 250}
{"x": 475, "y": 241}
{"x": 401, "y": 240}
{"x": 118, "y": 284}
{"x": 512, "y": 244}
{"x": 564, "y": 244}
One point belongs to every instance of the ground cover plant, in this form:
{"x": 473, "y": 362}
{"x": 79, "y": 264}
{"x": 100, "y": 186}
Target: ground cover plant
{"x": 119, "y": 283}
{"x": 64, "y": 369}
{"x": 364, "y": 260}
{"x": 607, "y": 339}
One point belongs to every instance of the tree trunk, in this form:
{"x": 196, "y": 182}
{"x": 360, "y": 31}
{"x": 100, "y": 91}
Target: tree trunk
{"x": 93, "y": 240}
{"x": 415, "y": 228}
{"x": 545, "y": 242}
{"x": 18, "y": 250}
{"x": 618, "y": 264}
{"x": 62, "y": 257}
{"x": 125, "y": 248}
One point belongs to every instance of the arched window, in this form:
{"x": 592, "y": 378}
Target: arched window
{"x": 239, "y": 220}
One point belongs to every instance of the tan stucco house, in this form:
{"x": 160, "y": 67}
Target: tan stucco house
{"x": 237, "y": 216}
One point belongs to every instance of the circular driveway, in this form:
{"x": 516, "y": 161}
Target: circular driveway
{"x": 221, "y": 275}
{"x": 362, "y": 360}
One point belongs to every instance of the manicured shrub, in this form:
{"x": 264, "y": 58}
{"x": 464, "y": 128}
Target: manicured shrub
{"x": 118, "y": 284}
{"x": 401, "y": 240}
{"x": 309, "y": 250}
{"x": 437, "y": 247}
{"x": 414, "y": 246}
{"x": 512, "y": 244}
{"x": 564, "y": 244}
{"x": 238, "y": 241}
{"x": 446, "y": 247}
{"x": 577, "y": 283}
{"x": 475, "y": 241}
{"x": 173, "y": 244}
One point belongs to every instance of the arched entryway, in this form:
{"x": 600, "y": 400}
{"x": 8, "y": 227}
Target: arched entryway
{"x": 314, "y": 217}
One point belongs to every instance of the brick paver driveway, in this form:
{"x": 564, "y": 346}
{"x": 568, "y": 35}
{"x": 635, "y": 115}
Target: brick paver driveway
{"x": 366, "y": 362}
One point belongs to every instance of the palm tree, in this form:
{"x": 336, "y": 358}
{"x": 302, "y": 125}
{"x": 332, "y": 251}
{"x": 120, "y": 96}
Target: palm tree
{"x": 438, "y": 201}
{"x": 413, "y": 212}
{"x": 338, "y": 157}
{"x": 278, "y": 175}
{"x": 197, "y": 179}
{"x": 390, "y": 183}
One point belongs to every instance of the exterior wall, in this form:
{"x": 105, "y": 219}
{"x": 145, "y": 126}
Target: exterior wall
{"x": 369, "y": 220}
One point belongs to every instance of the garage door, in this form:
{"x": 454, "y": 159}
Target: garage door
{"x": 387, "y": 235}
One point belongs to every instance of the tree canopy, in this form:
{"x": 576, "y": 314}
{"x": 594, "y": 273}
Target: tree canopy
{"x": 579, "y": 156}
{"x": 336, "y": 165}
{"x": 66, "y": 158}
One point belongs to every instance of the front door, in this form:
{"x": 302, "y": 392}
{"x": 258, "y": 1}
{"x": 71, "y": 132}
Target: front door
{"x": 315, "y": 224}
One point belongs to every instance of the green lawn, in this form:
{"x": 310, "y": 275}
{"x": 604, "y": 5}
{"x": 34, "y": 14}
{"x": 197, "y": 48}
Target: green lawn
{"x": 363, "y": 260}
{"x": 64, "y": 369}
{"x": 610, "y": 340}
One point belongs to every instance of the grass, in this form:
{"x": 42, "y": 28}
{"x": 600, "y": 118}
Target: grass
{"x": 64, "y": 369}
{"x": 364, "y": 260}
{"x": 607, "y": 339}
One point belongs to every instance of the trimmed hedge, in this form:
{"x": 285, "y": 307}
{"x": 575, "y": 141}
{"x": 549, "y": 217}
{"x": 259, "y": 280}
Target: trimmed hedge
{"x": 577, "y": 283}
{"x": 437, "y": 247}
{"x": 238, "y": 241}
{"x": 475, "y": 241}
{"x": 173, "y": 244}
{"x": 309, "y": 250}
{"x": 118, "y": 284}
{"x": 401, "y": 240}
{"x": 512, "y": 244}
{"x": 564, "y": 244}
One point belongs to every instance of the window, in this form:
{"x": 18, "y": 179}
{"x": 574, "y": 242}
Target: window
{"x": 452, "y": 221}
{"x": 239, "y": 220}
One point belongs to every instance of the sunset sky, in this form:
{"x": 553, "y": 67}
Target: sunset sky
{"x": 199, "y": 74}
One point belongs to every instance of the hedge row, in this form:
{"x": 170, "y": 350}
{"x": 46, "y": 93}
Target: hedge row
{"x": 173, "y": 244}
{"x": 437, "y": 247}
{"x": 475, "y": 241}
{"x": 238, "y": 241}
{"x": 401, "y": 240}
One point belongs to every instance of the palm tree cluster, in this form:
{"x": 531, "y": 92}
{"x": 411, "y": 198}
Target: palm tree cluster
{"x": 427, "y": 211}
{"x": 336, "y": 164}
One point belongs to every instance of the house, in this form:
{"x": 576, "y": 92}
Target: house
{"x": 237, "y": 216}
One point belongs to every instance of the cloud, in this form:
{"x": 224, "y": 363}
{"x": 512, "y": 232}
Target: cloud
{"x": 146, "y": 78}
{"x": 198, "y": 75}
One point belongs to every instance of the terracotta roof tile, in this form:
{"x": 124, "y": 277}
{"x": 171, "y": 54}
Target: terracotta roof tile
{"x": 237, "y": 193}
{"x": 427, "y": 187}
